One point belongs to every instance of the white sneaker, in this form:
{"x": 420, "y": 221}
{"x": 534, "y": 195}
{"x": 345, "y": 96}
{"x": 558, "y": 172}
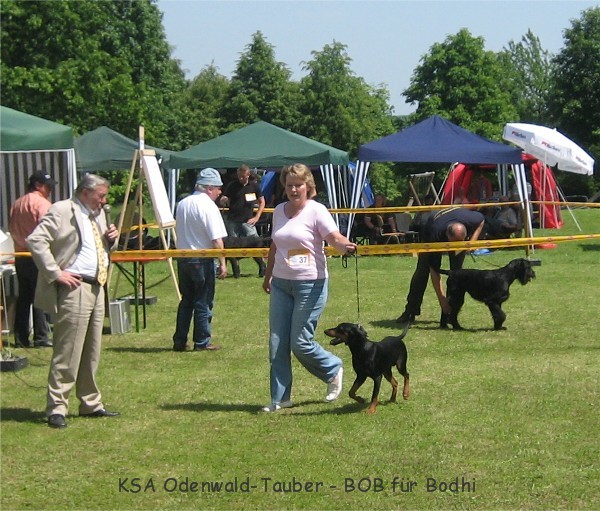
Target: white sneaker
{"x": 334, "y": 388}
{"x": 276, "y": 407}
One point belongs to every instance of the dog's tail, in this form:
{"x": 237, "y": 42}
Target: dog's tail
{"x": 405, "y": 331}
{"x": 444, "y": 272}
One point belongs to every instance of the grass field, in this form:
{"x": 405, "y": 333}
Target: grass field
{"x": 506, "y": 419}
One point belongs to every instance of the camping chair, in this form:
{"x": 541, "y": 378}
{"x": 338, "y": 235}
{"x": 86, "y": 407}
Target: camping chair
{"x": 403, "y": 232}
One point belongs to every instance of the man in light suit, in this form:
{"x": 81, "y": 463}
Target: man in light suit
{"x": 70, "y": 248}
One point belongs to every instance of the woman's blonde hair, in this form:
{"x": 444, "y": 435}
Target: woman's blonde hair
{"x": 302, "y": 172}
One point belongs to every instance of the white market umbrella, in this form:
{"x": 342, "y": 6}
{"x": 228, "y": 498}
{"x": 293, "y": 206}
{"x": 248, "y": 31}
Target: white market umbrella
{"x": 549, "y": 146}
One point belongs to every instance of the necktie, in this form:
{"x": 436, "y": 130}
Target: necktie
{"x": 102, "y": 266}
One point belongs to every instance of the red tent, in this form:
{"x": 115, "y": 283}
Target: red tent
{"x": 544, "y": 188}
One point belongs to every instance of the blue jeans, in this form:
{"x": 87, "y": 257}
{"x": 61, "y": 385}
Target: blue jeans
{"x": 295, "y": 307}
{"x": 197, "y": 287}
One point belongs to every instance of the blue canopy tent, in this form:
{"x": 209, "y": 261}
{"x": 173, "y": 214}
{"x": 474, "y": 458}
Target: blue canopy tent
{"x": 434, "y": 140}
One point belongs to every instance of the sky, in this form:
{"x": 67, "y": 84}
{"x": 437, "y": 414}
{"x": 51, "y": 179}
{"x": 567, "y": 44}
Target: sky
{"x": 384, "y": 39}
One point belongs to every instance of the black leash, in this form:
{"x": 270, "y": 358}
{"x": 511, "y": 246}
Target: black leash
{"x": 345, "y": 265}
{"x": 486, "y": 262}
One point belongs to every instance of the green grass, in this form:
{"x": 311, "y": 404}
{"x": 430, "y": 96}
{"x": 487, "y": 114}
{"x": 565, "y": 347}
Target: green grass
{"x": 513, "y": 412}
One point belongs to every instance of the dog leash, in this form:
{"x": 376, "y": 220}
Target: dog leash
{"x": 486, "y": 262}
{"x": 345, "y": 265}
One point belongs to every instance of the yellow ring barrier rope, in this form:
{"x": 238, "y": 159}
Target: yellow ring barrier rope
{"x": 363, "y": 250}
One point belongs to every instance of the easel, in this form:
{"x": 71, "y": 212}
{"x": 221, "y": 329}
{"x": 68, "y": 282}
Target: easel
{"x": 144, "y": 160}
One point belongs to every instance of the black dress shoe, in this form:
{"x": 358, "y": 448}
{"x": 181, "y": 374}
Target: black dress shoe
{"x": 406, "y": 317}
{"x": 100, "y": 413}
{"x": 44, "y": 343}
{"x": 179, "y": 347}
{"x": 57, "y": 421}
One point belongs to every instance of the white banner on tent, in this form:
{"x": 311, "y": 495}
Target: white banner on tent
{"x": 17, "y": 166}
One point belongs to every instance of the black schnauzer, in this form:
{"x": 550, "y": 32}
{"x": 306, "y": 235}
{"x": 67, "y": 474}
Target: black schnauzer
{"x": 245, "y": 242}
{"x": 488, "y": 286}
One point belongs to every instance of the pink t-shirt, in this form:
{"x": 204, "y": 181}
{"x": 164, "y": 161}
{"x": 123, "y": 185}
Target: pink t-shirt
{"x": 25, "y": 214}
{"x": 300, "y": 242}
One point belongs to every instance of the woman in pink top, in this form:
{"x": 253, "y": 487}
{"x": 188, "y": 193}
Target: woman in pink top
{"x": 296, "y": 278}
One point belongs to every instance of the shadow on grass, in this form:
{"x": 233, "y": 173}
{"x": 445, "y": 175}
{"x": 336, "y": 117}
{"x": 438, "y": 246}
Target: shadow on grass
{"x": 244, "y": 276}
{"x": 21, "y": 415}
{"x": 590, "y": 247}
{"x": 256, "y": 409}
{"x": 212, "y": 407}
{"x": 137, "y": 349}
{"x": 350, "y": 408}
{"x": 422, "y": 325}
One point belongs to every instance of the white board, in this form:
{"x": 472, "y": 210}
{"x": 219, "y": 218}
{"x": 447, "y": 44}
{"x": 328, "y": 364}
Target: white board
{"x": 158, "y": 192}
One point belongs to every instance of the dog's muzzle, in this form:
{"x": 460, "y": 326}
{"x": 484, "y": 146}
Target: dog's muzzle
{"x": 336, "y": 340}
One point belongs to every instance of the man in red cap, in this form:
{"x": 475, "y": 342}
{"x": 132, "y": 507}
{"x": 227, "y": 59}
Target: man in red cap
{"x": 25, "y": 214}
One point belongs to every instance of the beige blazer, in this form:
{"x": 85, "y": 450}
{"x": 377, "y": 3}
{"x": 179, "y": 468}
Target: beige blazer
{"x": 54, "y": 245}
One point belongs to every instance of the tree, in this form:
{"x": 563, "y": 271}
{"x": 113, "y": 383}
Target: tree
{"x": 527, "y": 70}
{"x": 90, "y": 63}
{"x": 338, "y": 108}
{"x": 205, "y": 100}
{"x": 575, "y": 101}
{"x": 462, "y": 82}
{"x": 342, "y": 110}
{"x": 260, "y": 88}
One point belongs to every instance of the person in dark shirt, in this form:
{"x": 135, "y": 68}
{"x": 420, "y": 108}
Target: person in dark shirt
{"x": 378, "y": 224}
{"x": 452, "y": 224}
{"x": 373, "y": 225}
{"x": 420, "y": 220}
{"x": 241, "y": 196}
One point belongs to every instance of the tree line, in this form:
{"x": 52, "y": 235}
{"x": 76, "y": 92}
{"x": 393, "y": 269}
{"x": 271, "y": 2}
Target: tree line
{"x": 87, "y": 64}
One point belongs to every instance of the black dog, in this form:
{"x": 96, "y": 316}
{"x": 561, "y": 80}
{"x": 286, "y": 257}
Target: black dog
{"x": 245, "y": 242}
{"x": 373, "y": 359}
{"x": 488, "y": 286}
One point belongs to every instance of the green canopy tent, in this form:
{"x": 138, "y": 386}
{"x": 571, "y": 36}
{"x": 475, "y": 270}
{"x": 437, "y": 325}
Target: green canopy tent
{"x": 27, "y": 144}
{"x": 105, "y": 149}
{"x": 264, "y": 145}
{"x": 258, "y": 145}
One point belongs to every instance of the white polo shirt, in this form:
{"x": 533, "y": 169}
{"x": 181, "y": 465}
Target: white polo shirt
{"x": 198, "y": 222}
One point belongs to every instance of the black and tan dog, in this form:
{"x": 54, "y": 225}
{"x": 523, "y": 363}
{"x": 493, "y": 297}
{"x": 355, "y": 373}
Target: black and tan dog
{"x": 488, "y": 286}
{"x": 373, "y": 360}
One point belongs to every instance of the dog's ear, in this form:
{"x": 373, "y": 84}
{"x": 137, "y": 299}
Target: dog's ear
{"x": 355, "y": 330}
{"x": 525, "y": 271}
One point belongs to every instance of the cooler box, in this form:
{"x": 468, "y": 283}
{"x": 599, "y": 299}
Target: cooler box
{"x": 119, "y": 317}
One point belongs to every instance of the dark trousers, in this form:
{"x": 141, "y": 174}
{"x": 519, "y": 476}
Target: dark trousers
{"x": 27, "y": 274}
{"x": 420, "y": 278}
{"x": 197, "y": 286}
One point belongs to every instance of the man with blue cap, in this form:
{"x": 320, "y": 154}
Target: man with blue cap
{"x": 199, "y": 226}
